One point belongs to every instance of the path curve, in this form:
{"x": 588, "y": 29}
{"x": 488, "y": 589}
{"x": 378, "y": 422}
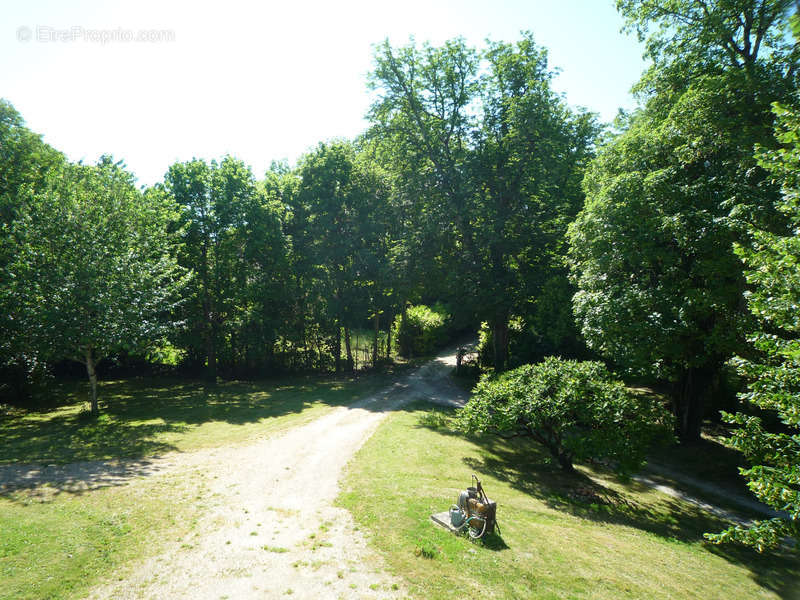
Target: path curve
{"x": 282, "y": 489}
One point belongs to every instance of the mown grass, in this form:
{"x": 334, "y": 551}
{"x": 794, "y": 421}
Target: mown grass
{"x": 57, "y": 546}
{"x": 56, "y": 541}
{"x": 583, "y": 536}
{"x": 147, "y": 416}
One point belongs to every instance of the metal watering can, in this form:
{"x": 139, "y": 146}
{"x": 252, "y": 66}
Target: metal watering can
{"x": 475, "y": 511}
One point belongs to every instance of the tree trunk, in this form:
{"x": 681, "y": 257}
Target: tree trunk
{"x": 348, "y": 349}
{"x": 389, "y": 338}
{"x": 211, "y": 353}
{"x": 92, "y": 380}
{"x": 689, "y": 402}
{"x": 338, "y": 349}
{"x": 500, "y": 341}
{"x": 552, "y": 442}
{"x": 208, "y": 326}
{"x": 375, "y": 340}
{"x": 565, "y": 462}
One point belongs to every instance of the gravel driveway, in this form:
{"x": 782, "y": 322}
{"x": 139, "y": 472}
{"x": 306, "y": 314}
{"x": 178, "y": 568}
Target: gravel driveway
{"x": 271, "y": 529}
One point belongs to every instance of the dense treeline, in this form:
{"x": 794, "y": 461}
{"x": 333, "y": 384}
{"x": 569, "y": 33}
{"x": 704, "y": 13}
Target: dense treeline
{"x": 460, "y": 193}
{"x": 476, "y": 187}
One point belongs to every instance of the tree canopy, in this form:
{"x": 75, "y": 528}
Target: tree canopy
{"x": 772, "y": 263}
{"x": 93, "y": 269}
{"x": 576, "y": 410}
{"x": 496, "y": 158}
{"x": 659, "y": 286}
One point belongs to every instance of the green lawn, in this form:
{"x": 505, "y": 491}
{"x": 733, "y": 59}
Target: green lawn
{"x": 55, "y": 542}
{"x": 620, "y": 541}
{"x": 58, "y": 545}
{"x": 146, "y": 416}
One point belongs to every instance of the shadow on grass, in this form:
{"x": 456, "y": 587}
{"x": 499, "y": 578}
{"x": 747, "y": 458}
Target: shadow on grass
{"x": 528, "y": 468}
{"x": 72, "y": 452}
{"x": 494, "y": 541}
{"x": 29, "y": 482}
{"x": 708, "y": 460}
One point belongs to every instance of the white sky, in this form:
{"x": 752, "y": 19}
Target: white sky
{"x": 265, "y": 80}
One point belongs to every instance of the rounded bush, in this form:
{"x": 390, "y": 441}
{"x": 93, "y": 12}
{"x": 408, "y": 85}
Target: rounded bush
{"x": 577, "y": 410}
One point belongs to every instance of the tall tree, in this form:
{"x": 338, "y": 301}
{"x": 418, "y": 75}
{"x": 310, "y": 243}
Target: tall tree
{"x": 25, "y": 161}
{"x": 340, "y": 194}
{"x": 93, "y": 271}
{"x": 660, "y": 289}
{"x": 773, "y": 269}
{"x": 233, "y": 241}
{"x": 493, "y": 154}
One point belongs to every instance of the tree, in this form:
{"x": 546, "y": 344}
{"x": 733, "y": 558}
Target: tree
{"x": 659, "y": 287}
{"x": 773, "y": 269}
{"x": 576, "y": 410}
{"x": 265, "y": 301}
{"x": 25, "y": 161}
{"x": 494, "y": 157}
{"x": 232, "y": 239}
{"x": 695, "y": 38}
{"x": 93, "y": 271}
{"x": 340, "y": 198}
{"x": 421, "y": 330}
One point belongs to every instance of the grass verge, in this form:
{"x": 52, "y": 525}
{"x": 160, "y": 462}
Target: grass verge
{"x": 583, "y": 536}
{"x": 57, "y": 545}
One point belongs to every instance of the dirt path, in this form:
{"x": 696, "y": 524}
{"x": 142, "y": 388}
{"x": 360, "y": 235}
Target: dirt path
{"x": 748, "y": 503}
{"x": 271, "y": 526}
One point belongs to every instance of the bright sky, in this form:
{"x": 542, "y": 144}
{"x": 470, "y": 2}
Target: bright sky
{"x": 263, "y": 80}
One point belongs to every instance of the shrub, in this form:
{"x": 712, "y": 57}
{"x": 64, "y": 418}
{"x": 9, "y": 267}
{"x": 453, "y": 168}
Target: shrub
{"x": 422, "y": 331}
{"x": 576, "y": 410}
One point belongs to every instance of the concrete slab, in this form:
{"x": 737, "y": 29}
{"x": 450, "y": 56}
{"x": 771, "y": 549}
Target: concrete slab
{"x": 442, "y": 519}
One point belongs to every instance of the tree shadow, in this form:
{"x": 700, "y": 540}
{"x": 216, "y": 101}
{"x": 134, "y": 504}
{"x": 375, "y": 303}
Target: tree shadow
{"x": 594, "y": 493}
{"x": 41, "y": 483}
{"x": 708, "y": 460}
{"x": 141, "y": 418}
{"x": 66, "y": 438}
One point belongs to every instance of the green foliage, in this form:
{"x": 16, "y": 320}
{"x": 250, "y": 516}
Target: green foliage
{"x": 545, "y": 328}
{"x": 659, "y": 286}
{"x": 233, "y": 241}
{"x": 491, "y": 160}
{"x": 576, "y": 410}
{"x": 689, "y": 39}
{"x": 773, "y": 270}
{"x": 93, "y": 269}
{"x": 342, "y": 241}
{"x": 422, "y": 330}
{"x": 25, "y": 162}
